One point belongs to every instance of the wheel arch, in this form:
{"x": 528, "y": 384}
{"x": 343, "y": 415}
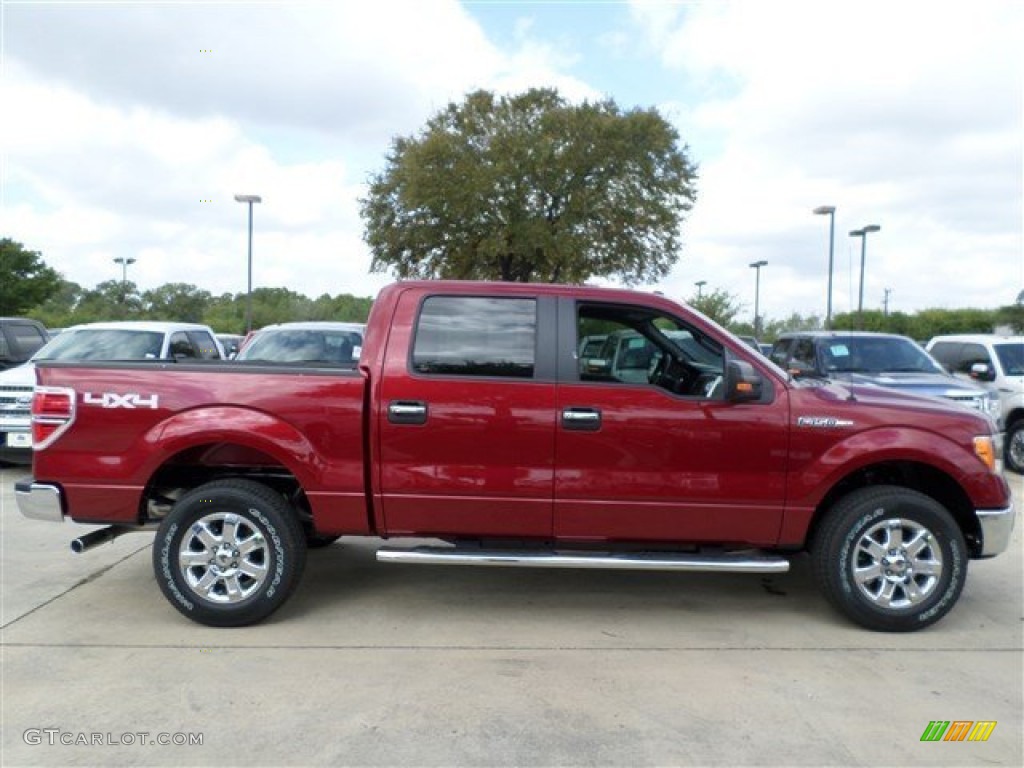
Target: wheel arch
{"x": 234, "y": 443}
{"x": 914, "y": 475}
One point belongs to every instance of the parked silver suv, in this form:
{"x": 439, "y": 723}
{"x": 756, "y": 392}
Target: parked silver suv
{"x": 997, "y": 363}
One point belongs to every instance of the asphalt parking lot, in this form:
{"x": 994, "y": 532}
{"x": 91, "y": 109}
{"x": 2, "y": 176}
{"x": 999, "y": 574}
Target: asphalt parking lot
{"x": 379, "y": 664}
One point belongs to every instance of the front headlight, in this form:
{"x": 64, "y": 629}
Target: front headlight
{"x": 993, "y": 407}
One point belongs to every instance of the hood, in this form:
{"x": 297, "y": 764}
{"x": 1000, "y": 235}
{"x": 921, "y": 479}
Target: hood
{"x": 20, "y": 376}
{"x": 873, "y": 405}
{"x": 917, "y": 383}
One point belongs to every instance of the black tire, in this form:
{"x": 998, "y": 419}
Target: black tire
{"x": 909, "y": 550}
{"x": 1015, "y": 447}
{"x": 229, "y": 553}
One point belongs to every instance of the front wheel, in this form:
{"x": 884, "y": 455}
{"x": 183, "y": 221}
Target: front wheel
{"x": 229, "y": 553}
{"x": 1015, "y": 447}
{"x": 891, "y": 559}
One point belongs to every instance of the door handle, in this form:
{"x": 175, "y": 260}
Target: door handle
{"x": 580, "y": 419}
{"x": 407, "y": 412}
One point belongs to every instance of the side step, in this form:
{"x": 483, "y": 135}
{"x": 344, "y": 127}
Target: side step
{"x": 747, "y": 562}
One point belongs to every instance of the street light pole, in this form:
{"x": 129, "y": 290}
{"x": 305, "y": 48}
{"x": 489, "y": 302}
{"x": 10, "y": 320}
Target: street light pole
{"x": 830, "y": 210}
{"x": 250, "y": 199}
{"x": 700, "y": 284}
{"x": 862, "y": 233}
{"x": 756, "y": 266}
{"x": 124, "y": 262}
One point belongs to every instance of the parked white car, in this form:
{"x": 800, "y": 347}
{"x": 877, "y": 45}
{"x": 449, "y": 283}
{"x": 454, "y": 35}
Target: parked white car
{"x": 314, "y": 341}
{"x": 93, "y": 341}
{"x": 997, "y": 363}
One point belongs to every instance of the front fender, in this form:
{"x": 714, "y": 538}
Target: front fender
{"x": 811, "y": 481}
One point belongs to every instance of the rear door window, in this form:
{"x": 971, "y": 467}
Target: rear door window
{"x": 476, "y": 336}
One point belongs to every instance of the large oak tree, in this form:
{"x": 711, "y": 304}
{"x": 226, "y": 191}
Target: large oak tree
{"x": 532, "y": 188}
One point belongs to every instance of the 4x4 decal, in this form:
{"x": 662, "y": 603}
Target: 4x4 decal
{"x": 115, "y": 400}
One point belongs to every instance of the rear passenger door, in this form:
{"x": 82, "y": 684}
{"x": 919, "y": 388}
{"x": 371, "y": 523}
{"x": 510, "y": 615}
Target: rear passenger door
{"x": 466, "y": 416}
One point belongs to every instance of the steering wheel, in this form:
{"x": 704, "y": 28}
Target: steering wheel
{"x": 659, "y": 375}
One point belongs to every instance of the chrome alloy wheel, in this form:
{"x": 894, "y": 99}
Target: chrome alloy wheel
{"x": 897, "y": 564}
{"x": 224, "y": 557}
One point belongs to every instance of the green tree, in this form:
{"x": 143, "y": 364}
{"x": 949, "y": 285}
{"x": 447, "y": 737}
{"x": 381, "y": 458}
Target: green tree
{"x": 25, "y": 280}
{"x": 180, "y": 302}
{"x": 795, "y": 322}
{"x": 1011, "y": 315}
{"x": 109, "y": 300}
{"x": 531, "y": 187}
{"x": 720, "y": 305}
{"x": 226, "y": 313}
{"x": 58, "y": 311}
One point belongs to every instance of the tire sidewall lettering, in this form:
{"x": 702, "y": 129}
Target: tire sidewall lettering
{"x": 168, "y": 573}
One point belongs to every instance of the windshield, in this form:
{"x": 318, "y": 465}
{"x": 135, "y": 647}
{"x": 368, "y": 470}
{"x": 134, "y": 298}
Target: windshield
{"x": 102, "y": 344}
{"x": 1011, "y": 357}
{"x": 875, "y": 354}
{"x": 302, "y": 346}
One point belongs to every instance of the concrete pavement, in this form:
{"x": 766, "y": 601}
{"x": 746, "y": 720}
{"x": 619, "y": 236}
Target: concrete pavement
{"x": 377, "y": 664}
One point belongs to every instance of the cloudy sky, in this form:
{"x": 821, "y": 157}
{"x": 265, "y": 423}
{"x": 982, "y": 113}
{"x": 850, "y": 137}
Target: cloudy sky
{"x": 128, "y": 127}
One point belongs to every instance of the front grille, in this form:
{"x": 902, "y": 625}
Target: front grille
{"x": 15, "y": 402}
{"x": 977, "y": 402}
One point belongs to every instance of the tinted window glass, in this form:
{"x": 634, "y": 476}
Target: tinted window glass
{"x": 27, "y": 338}
{"x": 1011, "y": 357}
{"x": 472, "y": 336}
{"x": 102, "y": 344}
{"x": 181, "y": 346}
{"x": 205, "y": 344}
{"x": 291, "y": 345}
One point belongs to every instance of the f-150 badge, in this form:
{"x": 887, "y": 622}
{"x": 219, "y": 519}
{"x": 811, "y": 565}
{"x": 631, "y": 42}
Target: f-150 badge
{"x": 115, "y": 400}
{"x": 822, "y": 422}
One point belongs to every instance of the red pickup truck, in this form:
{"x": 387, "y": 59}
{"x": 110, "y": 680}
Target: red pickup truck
{"x": 475, "y": 422}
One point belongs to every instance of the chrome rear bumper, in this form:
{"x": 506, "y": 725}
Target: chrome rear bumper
{"x": 39, "y": 501}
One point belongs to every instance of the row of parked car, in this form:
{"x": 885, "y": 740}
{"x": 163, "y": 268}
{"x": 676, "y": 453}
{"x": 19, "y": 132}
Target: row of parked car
{"x": 25, "y": 342}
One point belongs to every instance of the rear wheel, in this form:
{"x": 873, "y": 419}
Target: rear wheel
{"x": 890, "y": 559}
{"x": 229, "y": 553}
{"x": 1015, "y": 446}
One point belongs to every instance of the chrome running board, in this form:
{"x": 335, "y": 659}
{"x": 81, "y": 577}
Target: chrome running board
{"x": 747, "y": 562}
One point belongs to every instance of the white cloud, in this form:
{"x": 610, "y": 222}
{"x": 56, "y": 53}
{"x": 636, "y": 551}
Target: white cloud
{"x": 903, "y": 114}
{"x": 132, "y": 139}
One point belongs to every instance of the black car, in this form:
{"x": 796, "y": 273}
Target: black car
{"x": 20, "y": 337}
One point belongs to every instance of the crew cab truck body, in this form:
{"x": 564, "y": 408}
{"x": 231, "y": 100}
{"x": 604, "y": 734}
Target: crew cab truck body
{"x": 470, "y": 419}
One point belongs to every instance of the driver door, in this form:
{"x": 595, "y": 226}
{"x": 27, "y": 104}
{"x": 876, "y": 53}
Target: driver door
{"x": 664, "y": 457}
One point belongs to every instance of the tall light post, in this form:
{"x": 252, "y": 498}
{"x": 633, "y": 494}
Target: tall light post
{"x": 700, "y": 284}
{"x": 862, "y": 233}
{"x": 124, "y": 262}
{"x": 756, "y": 266}
{"x": 250, "y": 199}
{"x": 830, "y": 211}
